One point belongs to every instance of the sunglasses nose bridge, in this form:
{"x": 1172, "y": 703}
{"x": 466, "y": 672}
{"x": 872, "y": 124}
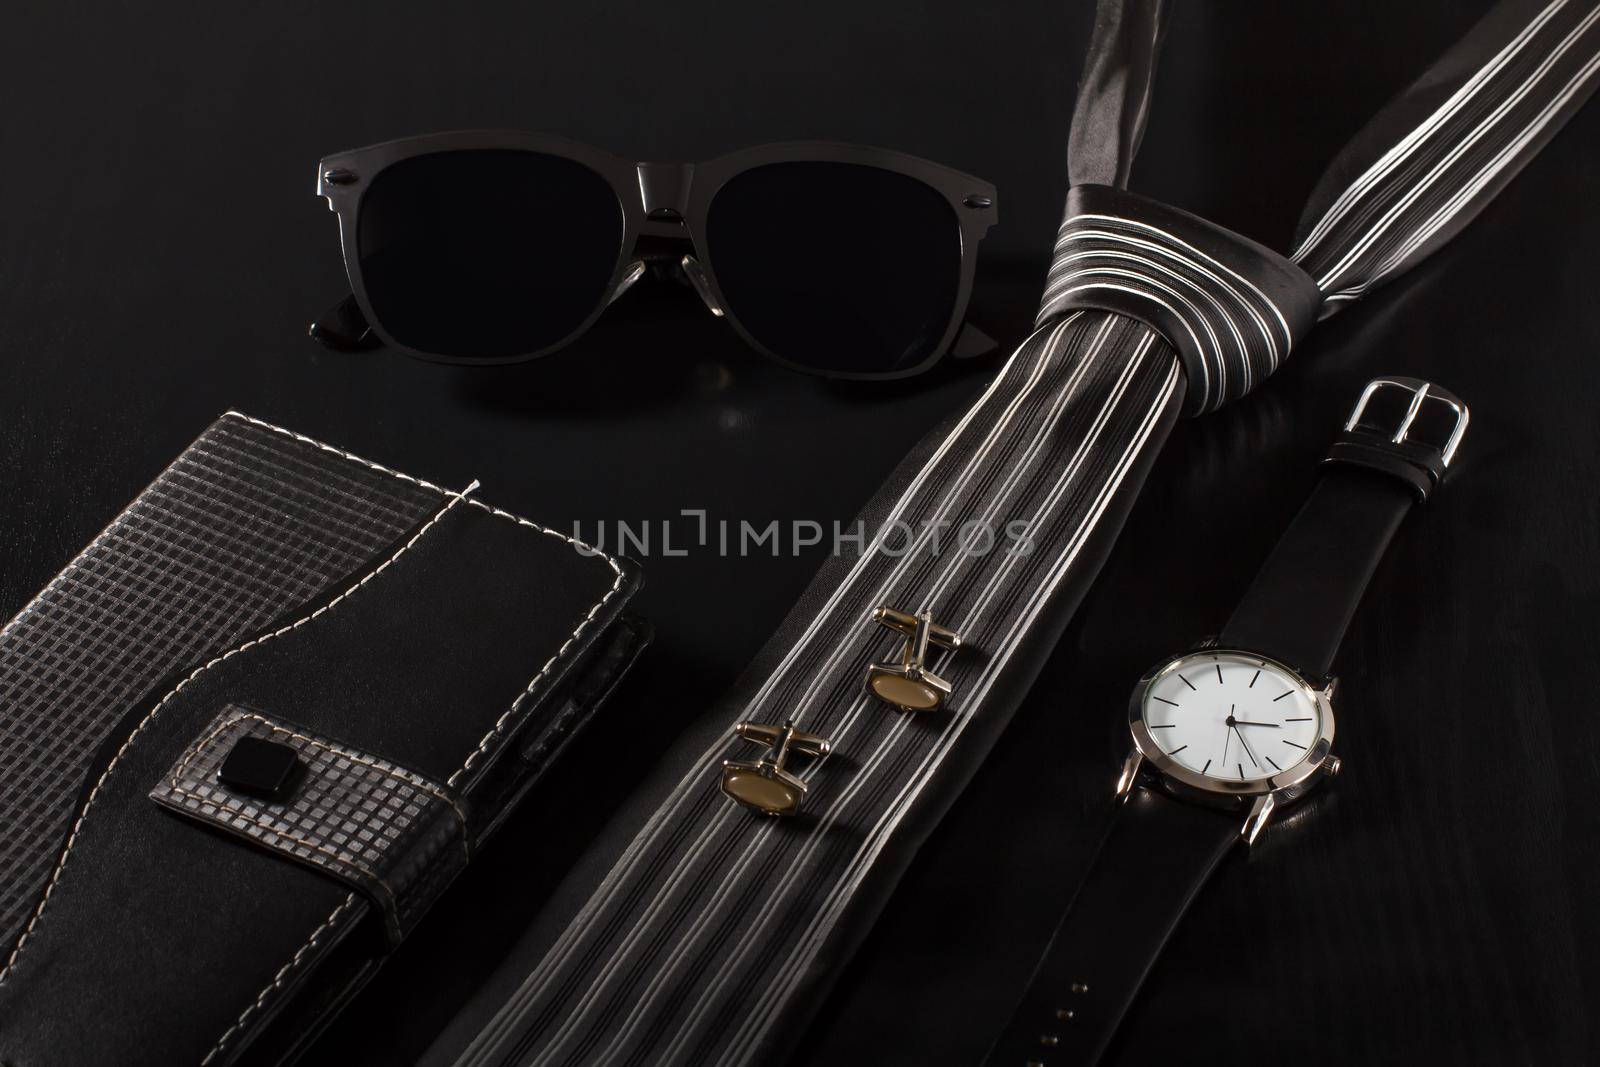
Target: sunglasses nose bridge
{"x": 664, "y": 190}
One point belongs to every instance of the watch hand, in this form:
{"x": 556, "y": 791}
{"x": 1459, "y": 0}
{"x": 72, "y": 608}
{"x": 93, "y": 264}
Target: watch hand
{"x": 1227, "y": 735}
{"x": 1241, "y": 722}
{"x": 1246, "y": 744}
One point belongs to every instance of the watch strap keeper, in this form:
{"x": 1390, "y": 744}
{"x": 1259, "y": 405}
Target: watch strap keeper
{"x": 1393, "y": 452}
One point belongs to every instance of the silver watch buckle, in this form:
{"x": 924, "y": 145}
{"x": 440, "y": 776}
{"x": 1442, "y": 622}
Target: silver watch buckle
{"x": 1420, "y": 392}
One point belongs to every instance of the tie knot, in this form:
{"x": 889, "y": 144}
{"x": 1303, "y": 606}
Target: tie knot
{"x": 1231, "y": 308}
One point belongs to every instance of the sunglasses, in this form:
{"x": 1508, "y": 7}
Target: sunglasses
{"x": 482, "y": 247}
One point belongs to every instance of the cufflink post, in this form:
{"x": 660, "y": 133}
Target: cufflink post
{"x": 909, "y": 685}
{"x": 766, "y": 785}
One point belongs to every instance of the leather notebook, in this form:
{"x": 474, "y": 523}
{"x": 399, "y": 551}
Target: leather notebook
{"x": 250, "y": 735}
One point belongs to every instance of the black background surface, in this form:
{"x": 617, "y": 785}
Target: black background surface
{"x": 160, "y": 253}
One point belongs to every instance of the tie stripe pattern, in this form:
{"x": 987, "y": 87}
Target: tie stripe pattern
{"x": 1231, "y": 308}
{"x": 703, "y": 930}
{"x": 1124, "y": 255}
{"x": 1234, "y": 310}
{"x": 712, "y": 935}
{"x": 1425, "y": 187}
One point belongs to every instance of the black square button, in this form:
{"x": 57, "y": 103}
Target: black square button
{"x": 259, "y": 767}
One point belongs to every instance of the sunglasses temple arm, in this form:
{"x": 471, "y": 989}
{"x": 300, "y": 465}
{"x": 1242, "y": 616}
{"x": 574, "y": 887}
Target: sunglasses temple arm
{"x": 971, "y": 342}
{"x": 344, "y": 327}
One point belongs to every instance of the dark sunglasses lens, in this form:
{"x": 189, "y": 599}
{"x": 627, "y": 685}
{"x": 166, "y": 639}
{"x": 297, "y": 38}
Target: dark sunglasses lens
{"x": 487, "y": 254}
{"x": 838, "y": 267}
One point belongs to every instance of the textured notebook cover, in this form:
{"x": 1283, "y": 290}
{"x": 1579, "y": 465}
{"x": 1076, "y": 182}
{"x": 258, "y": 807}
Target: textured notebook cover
{"x": 249, "y": 522}
{"x": 419, "y": 655}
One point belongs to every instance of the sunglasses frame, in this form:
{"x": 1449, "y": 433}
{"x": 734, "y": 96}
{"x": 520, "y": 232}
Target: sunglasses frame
{"x": 662, "y": 200}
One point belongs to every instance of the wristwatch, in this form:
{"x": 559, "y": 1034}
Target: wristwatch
{"x": 1234, "y": 730}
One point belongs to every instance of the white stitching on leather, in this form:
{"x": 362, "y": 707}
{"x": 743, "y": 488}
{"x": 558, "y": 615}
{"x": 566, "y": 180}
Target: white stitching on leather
{"x": 482, "y": 748}
{"x": 259, "y": 820}
{"x": 485, "y": 744}
{"x": 303, "y": 439}
{"x": 399, "y": 774}
{"x": 499, "y": 726}
{"x": 77, "y": 825}
{"x": 584, "y": 548}
{"x": 334, "y": 857}
{"x": 277, "y": 979}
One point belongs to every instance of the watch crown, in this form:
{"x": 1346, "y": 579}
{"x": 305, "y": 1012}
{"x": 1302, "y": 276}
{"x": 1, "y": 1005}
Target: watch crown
{"x": 1331, "y": 765}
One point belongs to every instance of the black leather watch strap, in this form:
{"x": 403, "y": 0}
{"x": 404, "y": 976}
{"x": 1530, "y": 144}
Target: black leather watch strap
{"x": 1393, "y": 453}
{"x": 1156, "y": 855}
{"x": 1160, "y": 850}
{"x": 1301, "y": 601}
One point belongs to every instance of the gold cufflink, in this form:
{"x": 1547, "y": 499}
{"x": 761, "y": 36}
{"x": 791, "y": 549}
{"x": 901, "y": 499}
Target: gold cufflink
{"x": 764, "y": 784}
{"x": 909, "y": 685}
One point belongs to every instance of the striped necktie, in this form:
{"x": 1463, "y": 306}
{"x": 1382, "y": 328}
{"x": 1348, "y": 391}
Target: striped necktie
{"x": 711, "y": 939}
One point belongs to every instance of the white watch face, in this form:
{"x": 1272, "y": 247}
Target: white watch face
{"x": 1231, "y": 716}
